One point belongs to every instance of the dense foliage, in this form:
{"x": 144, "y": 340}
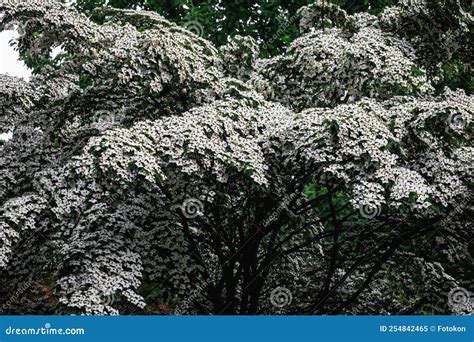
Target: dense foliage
{"x": 273, "y": 23}
{"x": 151, "y": 170}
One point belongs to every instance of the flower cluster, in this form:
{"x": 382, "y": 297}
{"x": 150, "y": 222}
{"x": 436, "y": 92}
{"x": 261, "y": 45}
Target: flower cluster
{"x": 329, "y": 67}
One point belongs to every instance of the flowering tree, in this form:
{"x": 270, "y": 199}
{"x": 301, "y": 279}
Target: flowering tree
{"x": 268, "y": 21}
{"x": 149, "y": 167}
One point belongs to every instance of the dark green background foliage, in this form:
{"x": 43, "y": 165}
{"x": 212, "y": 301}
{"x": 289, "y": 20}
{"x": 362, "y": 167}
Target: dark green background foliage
{"x": 261, "y": 19}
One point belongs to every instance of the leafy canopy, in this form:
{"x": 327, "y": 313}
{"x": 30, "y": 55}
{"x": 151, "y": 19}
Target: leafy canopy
{"x": 149, "y": 166}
